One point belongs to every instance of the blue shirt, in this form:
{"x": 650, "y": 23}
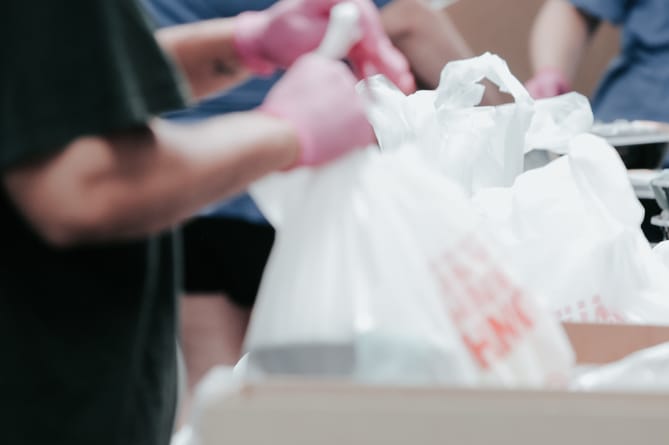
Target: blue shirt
{"x": 245, "y": 97}
{"x": 636, "y": 84}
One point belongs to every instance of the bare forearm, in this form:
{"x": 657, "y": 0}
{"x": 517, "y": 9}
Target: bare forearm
{"x": 427, "y": 38}
{"x": 559, "y": 37}
{"x": 205, "y": 53}
{"x": 189, "y": 168}
{"x": 137, "y": 184}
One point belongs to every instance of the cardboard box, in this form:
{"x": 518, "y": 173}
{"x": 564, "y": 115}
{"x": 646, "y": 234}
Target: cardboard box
{"x": 331, "y": 414}
{"x": 335, "y": 413}
{"x": 600, "y": 343}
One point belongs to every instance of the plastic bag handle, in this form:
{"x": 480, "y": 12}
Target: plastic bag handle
{"x": 343, "y": 31}
{"x": 279, "y": 192}
{"x": 459, "y": 84}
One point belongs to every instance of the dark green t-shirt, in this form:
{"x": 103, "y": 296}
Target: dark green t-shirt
{"x": 87, "y": 334}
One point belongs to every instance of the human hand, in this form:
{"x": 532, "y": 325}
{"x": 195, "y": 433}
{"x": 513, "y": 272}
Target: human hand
{"x": 276, "y": 37}
{"x": 317, "y": 96}
{"x": 548, "y": 82}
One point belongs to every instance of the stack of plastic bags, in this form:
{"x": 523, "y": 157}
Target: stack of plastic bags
{"x": 572, "y": 228}
{"x": 439, "y": 260}
{"x": 381, "y": 270}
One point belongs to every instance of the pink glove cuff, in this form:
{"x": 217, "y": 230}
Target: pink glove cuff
{"x": 555, "y": 77}
{"x": 548, "y": 82}
{"x": 249, "y": 30}
{"x": 317, "y": 96}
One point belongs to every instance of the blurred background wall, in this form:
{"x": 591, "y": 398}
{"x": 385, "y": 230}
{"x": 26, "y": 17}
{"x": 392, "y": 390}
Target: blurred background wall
{"x": 503, "y": 27}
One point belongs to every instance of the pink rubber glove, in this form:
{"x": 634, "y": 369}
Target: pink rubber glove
{"x": 317, "y": 96}
{"x": 548, "y": 82}
{"x": 375, "y": 54}
{"x": 276, "y": 37}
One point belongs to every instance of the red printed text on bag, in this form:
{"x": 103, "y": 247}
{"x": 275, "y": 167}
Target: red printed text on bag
{"x": 491, "y": 313}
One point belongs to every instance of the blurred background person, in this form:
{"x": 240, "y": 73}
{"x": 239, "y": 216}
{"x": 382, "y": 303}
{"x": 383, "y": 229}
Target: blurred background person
{"x": 226, "y": 247}
{"x": 635, "y": 85}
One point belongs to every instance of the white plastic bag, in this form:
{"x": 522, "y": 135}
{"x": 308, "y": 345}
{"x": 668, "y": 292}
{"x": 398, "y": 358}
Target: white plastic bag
{"x": 203, "y": 425}
{"x": 662, "y": 252}
{"x": 378, "y": 275}
{"x": 573, "y": 231}
{"x": 645, "y": 370}
{"x": 476, "y": 146}
{"x": 572, "y": 228}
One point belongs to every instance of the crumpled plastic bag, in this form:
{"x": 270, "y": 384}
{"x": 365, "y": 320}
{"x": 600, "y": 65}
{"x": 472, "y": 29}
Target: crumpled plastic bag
{"x": 662, "y": 252}
{"x": 571, "y": 228}
{"x": 378, "y": 275}
{"x": 204, "y": 417}
{"x": 573, "y": 231}
{"x": 476, "y": 146}
{"x": 645, "y": 370}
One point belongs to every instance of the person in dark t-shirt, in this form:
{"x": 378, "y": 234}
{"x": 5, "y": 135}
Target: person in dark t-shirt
{"x": 93, "y": 185}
